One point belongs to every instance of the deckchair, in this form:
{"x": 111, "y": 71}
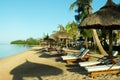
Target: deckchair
{"x": 82, "y": 57}
{"x": 101, "y": 61}
{"x": 103, "y": 69}
{"x": 74, "y": 54}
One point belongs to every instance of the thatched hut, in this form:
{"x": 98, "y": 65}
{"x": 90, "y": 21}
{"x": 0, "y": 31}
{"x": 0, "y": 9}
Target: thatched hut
{"x": 108, "y": 17}
{"x": 60, "y": 36}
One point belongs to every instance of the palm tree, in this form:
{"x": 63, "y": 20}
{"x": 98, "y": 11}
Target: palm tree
{"x": 84, "y": 9}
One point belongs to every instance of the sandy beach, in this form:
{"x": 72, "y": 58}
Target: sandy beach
{"x": 36, "y": 65}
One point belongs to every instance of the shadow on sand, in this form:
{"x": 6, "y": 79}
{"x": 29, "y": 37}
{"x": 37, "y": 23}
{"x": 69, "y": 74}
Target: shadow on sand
{"x": 49, "y": 54}
{"x": 43, "y": 53}
{"x": 33, "y": 71}
{"x": 39, "y": 50}
{"x": 76, "y": 68}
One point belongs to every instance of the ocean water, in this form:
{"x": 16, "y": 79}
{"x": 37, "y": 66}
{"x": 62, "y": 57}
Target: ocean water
{"x": 11, "y": 49}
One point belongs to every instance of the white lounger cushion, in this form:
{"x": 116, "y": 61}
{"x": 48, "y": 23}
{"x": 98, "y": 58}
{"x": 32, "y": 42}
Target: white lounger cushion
{"x": 73, "y": 54}
{"x": 102, "y": 67}
{"x": 70, "y": 57}
{"x": 82, "y": 64}
{"x": 114, "y": 53}
{"x": 75, "y": 57}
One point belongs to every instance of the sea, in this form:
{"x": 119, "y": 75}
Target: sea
{"x": 7, "y": 50}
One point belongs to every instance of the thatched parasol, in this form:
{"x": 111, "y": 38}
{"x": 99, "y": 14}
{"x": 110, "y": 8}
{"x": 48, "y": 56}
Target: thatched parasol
{"x": 53, "y": 36}
{"x": 49, "y": 40}
{"x": 63, "y": 35}
{"x": 108, "y": 17}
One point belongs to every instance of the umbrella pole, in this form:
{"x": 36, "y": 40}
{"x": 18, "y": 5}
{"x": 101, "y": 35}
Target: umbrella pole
{"x": 110, "y": 43}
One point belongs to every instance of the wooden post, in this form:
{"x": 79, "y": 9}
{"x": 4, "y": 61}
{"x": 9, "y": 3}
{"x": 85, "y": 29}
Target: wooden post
{"x": 110, "y": 42}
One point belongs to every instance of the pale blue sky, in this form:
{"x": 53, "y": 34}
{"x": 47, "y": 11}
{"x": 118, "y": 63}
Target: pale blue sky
{"x": 21, "y": 19}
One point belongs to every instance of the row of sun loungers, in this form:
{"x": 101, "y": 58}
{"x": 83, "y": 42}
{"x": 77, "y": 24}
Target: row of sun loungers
{"x": 104, "y": 65}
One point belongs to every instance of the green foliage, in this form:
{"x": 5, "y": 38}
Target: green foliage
{"x": 18, "y": 42}
{"x": 29, "y": 41}
{"x": 72, "y": 29}
{"x": 83, "y": 8}
{"x": 86, "y": 33}
{"x": 61, "y": 27}
{"x": 32, "y": 41}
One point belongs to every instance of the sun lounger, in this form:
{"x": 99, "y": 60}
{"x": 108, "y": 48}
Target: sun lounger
{"x": 103, "y": 61}
{"x": 49, "y": 49}
{"x": 76, "y": 53}
{"x": 83, "y": 56}
{"x": 57, "y": 52}
{"x": 103, "y": 69}
{"x": 73, "y": 54}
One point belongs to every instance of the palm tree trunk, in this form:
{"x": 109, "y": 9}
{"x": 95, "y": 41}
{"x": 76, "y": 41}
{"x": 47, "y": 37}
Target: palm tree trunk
{"x": 94, "y": 43}
{"x": 86, "y": 43}
{"x": 66, "y": 43}
{"x": 102, "y": 51}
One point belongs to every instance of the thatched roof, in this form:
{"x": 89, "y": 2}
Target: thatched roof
{"x": 48, "y": 39}
{"x": 53, "y": 36}
{"x": 108, "y": 17}
{"x": 61, "y": 35}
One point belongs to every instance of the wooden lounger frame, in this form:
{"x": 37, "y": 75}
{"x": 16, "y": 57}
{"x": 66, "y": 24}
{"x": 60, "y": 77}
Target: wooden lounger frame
{"x": 86, "y": 58}
{"x": 111, "y": 71}
{"x": 94, "y": 74}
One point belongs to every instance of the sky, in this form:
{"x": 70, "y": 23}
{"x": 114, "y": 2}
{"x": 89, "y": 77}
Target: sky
{"x": 22, "y": 19}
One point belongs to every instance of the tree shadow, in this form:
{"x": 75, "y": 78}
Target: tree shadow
{"x": 34, "y": 71}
